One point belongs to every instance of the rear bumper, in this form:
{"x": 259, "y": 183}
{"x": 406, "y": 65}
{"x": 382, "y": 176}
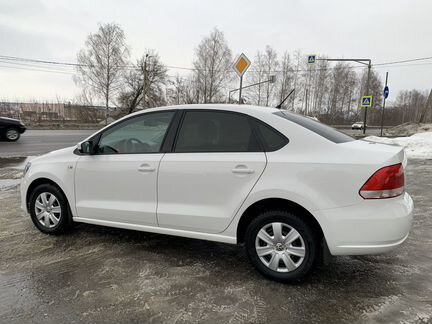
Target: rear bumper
{"x": 371, "y": 227}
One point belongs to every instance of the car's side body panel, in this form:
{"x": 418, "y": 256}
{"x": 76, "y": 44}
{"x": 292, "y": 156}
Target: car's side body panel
{"x": 57, "y": 166}
{"x": 117, "y": 187}
{"x": 198, "y": 197}
{"x": 161, "y": 230}
{"x": 203, "y": 191}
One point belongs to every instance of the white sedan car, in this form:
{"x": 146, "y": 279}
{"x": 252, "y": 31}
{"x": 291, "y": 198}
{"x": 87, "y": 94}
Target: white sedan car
{"x": 357, "y": 125}
{"x": 287, "y": 187}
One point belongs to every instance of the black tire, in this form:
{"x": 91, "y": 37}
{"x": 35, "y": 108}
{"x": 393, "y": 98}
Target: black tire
{"x": 12, "y": 134}
{"x": 310, "y": 241}
{"x": 64, "y": 219}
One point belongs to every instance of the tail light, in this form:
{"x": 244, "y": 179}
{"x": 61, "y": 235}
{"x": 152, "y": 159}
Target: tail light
{"x": 387, "y": 182}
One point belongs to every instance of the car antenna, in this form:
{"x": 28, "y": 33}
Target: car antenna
{"x": 280, "y": 105}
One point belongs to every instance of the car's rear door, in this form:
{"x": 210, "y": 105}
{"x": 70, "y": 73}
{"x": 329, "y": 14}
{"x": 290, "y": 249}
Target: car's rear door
{"x": 214, "y": 165}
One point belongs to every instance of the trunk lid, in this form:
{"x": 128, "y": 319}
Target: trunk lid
{"x": 362, "y": 151}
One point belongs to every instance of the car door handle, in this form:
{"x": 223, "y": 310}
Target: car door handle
{"x": 242, "y": 169}
{"x": 146, "y": 168}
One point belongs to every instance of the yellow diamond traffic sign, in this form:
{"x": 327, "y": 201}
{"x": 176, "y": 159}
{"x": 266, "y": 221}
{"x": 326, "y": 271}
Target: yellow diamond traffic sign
{"x": 241, "y": 64}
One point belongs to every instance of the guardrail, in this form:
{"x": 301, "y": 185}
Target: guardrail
{"x": 349, "y": 126}
{"x": 360, "y": 136}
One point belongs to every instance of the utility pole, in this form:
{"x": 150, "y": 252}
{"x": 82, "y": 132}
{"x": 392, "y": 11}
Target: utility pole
{"x": 361, "y": 61}
{"x": 425, "y": 109}
{"x": 306, "y": 103}
{"x": 145, "y": 81}
{"x": 308, "y": 90}
{"x": 240, "y": 90}
{"x": 367, "y": 94}
{"x": 383, "y": 107}
{"x": 295, "y": 80}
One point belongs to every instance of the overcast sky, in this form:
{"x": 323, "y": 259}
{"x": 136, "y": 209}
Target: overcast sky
{"x": 56, "y": 29}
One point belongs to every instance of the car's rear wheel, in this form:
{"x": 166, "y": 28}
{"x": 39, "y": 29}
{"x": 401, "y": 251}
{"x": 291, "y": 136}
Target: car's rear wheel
{"x": 49, "y": 209}
{"x": 12, "y": 134}
{"x": 281, "y": 245}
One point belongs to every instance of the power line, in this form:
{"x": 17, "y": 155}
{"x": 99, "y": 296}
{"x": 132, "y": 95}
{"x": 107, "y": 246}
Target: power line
{"x": 34, "y": 63}
{"x": 405, "y": 61}
{"x": 31, "y": 69}
{"x": 36, "y": 66}
{"x": 14, "y": 58}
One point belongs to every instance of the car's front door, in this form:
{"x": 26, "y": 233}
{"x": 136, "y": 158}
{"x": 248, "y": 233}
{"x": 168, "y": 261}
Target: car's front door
{"x": 118, "y": 183}
{"x": 214, "y": 166}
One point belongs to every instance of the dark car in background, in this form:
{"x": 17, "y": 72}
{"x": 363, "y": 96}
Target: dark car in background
{"x": 11, "y": 129}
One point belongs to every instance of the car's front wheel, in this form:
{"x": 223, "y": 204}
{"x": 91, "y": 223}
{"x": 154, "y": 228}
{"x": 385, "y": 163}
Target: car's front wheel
{"x": 281, "y": 245}
{"x": 12, "y": 134}
{"x": 49, "y": 209}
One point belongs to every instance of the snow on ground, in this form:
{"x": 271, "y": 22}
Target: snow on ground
{"x": 417, "y": 146}
{"x": 408, "y": 129}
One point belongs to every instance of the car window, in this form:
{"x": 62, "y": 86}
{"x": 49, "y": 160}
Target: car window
{"x": 215, "y": 131}
{"x": 271, "y": 138}
{"x": 323, "y": 130}
{"x": 143, "y": 134}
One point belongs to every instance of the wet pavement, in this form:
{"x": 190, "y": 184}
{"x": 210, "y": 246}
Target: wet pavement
{"x": 36, "y": 142}
{"x": 101, "y": 275}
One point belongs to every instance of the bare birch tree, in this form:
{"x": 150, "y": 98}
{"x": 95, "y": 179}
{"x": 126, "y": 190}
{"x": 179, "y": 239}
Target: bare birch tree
{"x": 285, "y": 77}
{"x": 182, "y": 91}
{"x": 256, "y": 76}
{"x": 263, "y": 66}
{"x": 271, "y": 65}
{"x": 427, "y": 106}
{"x": 212, "y": 63}
{"x": 102, "y": 62}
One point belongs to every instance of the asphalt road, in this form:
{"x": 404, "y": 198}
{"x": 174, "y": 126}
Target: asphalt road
{"x": 369, "y": 131}
{"x": 100, "y": 275}
{"x": 36, "y": 142}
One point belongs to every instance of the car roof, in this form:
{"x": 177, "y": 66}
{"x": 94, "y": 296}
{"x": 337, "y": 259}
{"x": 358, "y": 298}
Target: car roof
{"x": 255, "y": 111}
{"x": 247, "y": 109}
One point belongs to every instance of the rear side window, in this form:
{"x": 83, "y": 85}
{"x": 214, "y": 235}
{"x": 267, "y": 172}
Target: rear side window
{"x": 271, "y": 139}
{"x": 216, "y": 131}
{"x": 323, "y": 130}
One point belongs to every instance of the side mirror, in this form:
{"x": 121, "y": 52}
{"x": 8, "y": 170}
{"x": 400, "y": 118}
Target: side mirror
{"x": 86, "y": 147}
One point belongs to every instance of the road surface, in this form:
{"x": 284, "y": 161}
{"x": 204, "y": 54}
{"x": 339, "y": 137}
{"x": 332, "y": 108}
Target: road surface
{"x": 104, "y": 275}
{"x": 37, "y": 142}
{"x": 352, "y": 132}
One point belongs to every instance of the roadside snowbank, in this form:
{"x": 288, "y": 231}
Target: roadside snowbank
{"x": 417, "y": 146}
{"x": 408, "y": 129}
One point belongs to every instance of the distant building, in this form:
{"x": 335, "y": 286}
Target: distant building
{"x": 37, "y": 112}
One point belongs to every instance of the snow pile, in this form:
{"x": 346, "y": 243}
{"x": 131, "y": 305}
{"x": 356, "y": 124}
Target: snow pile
{"x": 408, "y": 129}
{"x": 417, "y": 146}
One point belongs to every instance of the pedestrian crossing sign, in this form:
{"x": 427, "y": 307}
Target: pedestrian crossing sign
{"x": 311, "y": 59}
{"x": 366, "y": 101}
